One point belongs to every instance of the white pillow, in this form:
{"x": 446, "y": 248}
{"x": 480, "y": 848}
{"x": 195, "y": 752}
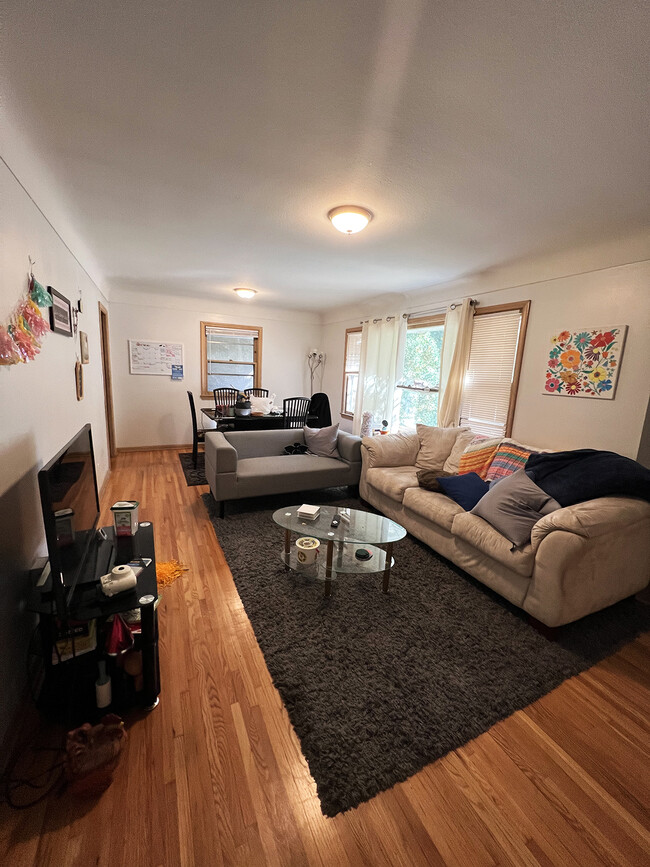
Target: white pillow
{"x": 261, "y": 404}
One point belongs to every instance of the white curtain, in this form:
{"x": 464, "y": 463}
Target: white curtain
{"x": 455, "y": 356}
{"x": 382, "y": 358}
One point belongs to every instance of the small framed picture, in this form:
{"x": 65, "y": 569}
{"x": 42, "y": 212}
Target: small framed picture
{"x": 60, "y": 313}
{"x": 83, "y": 343}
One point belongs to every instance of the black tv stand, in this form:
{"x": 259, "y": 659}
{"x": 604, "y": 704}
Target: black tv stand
{"x": 87, "y": 603}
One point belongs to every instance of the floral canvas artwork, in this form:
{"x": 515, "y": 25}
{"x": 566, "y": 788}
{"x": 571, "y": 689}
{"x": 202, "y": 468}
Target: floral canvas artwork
{"x": 585, "y": 363}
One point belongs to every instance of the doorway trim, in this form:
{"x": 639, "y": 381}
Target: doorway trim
{"x": 108, "y": 381}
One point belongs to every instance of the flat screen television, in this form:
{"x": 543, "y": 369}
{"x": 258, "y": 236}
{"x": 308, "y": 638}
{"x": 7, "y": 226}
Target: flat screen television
{"x": 70, "y": 502}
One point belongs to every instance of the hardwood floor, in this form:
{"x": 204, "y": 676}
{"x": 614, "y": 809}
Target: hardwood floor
{"x": 215, "y": 775}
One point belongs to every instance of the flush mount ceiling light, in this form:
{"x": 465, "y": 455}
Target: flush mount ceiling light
{"x": 350, "y": 218}
{"x": 246, "y": 293}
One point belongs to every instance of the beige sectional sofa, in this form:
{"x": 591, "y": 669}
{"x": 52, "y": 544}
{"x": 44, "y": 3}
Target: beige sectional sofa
{"x": 580, "y": 559}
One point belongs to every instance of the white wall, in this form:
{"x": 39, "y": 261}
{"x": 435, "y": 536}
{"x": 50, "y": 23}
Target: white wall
{"x": 39, "y": 414}
{"x": 586, "y": 288}
{"x": 154, "y": 410}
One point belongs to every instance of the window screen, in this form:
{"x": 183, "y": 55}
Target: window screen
{"x": 231, "y": 358}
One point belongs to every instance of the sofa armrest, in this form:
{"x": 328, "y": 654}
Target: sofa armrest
{"x": 390, "y": 450}
{"x": 222, "y": 455}
{"x": 349, "y": 447}
{"x": 587, "y": 557}
{"x": 593, "y": 518}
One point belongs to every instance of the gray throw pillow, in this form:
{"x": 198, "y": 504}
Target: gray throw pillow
{"x": 321, "y": 441}
{"x": 514, "y": 506}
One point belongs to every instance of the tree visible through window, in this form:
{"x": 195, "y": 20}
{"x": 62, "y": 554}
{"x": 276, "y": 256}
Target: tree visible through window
{"x": 421, "y": 373}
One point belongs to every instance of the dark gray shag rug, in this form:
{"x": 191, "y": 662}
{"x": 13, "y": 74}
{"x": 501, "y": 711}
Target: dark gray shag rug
{"x": 193, "y": 476}
{"x": 378, "y": 686}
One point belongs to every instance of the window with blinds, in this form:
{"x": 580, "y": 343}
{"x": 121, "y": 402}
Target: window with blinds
{"x": 492, "y": 376}
{"x": 230, "y": 357}
{"x": 351, "y": 370}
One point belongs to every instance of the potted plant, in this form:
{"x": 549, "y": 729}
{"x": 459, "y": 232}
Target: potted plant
{"x": 243, "y": 404}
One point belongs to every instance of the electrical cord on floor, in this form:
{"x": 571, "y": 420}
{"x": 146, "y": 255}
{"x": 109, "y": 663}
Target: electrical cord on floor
{"x": 45, "y": 781}
{"x": 12, "y": 783}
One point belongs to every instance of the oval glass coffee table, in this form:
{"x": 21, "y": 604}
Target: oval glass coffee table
{"x": 363, "y": 530}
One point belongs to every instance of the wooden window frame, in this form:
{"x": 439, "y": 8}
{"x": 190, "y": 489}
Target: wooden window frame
{"x": 257, "y": 355}
{"x": 524, "y": 308}
{"x": 357, "y": 329}
{"x": 424, "y": 322}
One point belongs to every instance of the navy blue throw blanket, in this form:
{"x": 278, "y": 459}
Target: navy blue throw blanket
{"x": 584, "y": 474}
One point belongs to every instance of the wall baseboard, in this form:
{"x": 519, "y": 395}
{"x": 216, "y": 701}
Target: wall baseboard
{"x": 178, "y": 447}
{"x": 102, "y": 490}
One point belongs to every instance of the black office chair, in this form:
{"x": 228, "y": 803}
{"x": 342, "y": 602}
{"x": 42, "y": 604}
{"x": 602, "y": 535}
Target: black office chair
{"x": 198, "y": 434}
{"x": 295, "y": 411}
{"x": 320, "y": 407}
{"x": 224, "y": 397}
{"x": 257, "y": 392}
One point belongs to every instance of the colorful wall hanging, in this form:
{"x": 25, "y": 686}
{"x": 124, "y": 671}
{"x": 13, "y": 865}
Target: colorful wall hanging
{"x": 21, "y": 334}
{"x": 585, "y": 363}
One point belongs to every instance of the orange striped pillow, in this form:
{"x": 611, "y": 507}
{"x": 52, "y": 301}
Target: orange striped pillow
{"x": 478, "y": 456}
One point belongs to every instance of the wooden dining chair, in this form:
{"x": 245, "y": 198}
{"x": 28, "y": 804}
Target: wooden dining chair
{"x": 198, "y": 434}
{"x": 295, "y": 411}
{"x": 224, "y": 397}
{"x": 257, "y": 392}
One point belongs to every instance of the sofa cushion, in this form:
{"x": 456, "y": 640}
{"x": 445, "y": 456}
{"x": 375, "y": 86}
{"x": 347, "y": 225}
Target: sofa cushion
{"x": 466, "y": 490}
{"x": 436, "y": 444}
{"x": 392, "y": 481}
{"x": 463, "y": 439}
{"x": 437, "y": 508}
{"x": 478, "y": 533}
{"x": 509, "y": 457}
{"x": 391, "y": 450}
{"x": 478, "y": 456}
{"x": 273, "y": 475}
{"x": 514, "y": 506}
{"x": 321, "y": 441}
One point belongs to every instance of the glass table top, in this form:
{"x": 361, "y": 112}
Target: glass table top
{"x": 363, "y": 527}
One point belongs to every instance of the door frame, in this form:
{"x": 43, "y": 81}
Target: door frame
{"x": 108, "y": 381}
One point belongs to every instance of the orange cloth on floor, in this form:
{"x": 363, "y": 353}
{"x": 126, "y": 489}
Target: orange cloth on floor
{"x": 167, "y": 573}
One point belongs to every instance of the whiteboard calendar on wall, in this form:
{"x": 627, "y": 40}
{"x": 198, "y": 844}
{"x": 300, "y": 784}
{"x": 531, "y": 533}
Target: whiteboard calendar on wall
{"x": 154, "y": 358}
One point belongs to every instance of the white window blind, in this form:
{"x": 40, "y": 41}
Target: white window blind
{"x": 351, "y": 373}
{"x": 488, "y": 381}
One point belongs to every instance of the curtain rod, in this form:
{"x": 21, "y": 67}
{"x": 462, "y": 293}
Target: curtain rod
{"x": 381, "y": 319}
{"x": 472, "y": 301}
{"x": 436, "y": 311}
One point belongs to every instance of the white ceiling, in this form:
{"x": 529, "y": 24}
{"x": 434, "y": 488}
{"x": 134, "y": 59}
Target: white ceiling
{"x": 198, "y": 146}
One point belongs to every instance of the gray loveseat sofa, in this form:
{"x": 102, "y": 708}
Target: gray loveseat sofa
{"x": 251, "y": 463}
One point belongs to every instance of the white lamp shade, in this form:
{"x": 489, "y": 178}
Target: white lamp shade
{"x": 350, "y": 218}
{"x": 246, "y": 293}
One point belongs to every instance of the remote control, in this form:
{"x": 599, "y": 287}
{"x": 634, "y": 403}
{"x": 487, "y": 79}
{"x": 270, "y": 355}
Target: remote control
{"x": 335, "y": 521}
